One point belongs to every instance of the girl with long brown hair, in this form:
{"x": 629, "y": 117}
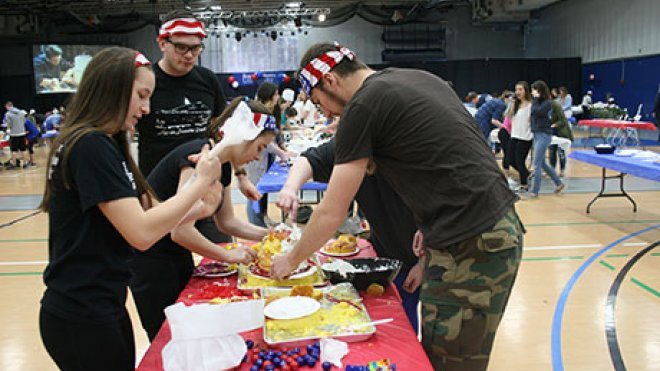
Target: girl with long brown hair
{"x": 99, "y": 208}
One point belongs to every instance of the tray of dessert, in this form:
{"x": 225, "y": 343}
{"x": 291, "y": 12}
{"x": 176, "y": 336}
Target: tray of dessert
{"x": 299, "y": 315}
{"x": 344, "y": 245}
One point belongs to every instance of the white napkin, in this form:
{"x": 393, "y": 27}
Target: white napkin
{"x": 205, "y": 336}
{"x": 333, "y": 351}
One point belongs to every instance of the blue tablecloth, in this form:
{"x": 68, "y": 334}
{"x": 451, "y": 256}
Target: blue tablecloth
{"x": 639, "y": 167}
{"x": 274, "y": 180}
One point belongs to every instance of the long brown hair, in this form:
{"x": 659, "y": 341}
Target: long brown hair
{"x": 215, "y": 125}
{"x": 100, "y": 105}
{"x": 528, "y": 96}
{"x": 542, "y": 88}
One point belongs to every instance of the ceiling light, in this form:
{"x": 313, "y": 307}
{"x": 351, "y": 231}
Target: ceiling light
{"x": 321, "y": 17}
{"x": 294, "y": 4}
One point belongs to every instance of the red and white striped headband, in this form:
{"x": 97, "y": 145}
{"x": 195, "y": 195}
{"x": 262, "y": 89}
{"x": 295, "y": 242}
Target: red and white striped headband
{"x": 182, "y": 26}
{"x": 141, "y": 60}
{"x": 313, "y": 72}
{"x": 264, "y": 122}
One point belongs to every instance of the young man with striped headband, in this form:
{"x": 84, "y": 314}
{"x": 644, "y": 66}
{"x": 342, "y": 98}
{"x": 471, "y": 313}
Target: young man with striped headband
{"x": 414, "y": 128}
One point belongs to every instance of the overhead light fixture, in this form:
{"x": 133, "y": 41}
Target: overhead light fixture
{"x": 321, "y": 17}
{"x": 294, "y": 4}
{"x": 216, "y": 8}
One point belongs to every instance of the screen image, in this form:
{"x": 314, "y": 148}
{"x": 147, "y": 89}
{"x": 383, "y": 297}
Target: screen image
{"x": 58, "y": 68}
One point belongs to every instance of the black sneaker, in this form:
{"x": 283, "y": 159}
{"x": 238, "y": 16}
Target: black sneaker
{"x": 10, "y": 166}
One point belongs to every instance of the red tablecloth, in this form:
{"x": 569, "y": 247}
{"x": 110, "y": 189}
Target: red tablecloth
{"x": 600, "y": 123}
{"x": 395, "y": 340}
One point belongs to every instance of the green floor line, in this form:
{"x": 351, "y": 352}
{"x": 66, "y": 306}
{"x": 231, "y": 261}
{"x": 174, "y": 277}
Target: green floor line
{"x": 617, "y": 255}
{"x": 655, "y": 254}
{"x": 606, "y": 265}
{"x": 645, "y": 287}
{"x": 25, "y": 240}
{"x": 553, "y": 258}
{"x": 592, "y": 223}
{"x": 21, "y": 274}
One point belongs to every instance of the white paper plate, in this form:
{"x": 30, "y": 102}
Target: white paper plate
{"x": 291, "y": 307}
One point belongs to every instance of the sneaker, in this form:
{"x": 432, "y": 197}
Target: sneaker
{"x": 26, "y": 165}
{"x": 561, "y": 174}
{"x": 10, "y": 166}
{"x": 560, "y": 188}
{"x": 522, "y": 189}
{"x": 529, "y": 196}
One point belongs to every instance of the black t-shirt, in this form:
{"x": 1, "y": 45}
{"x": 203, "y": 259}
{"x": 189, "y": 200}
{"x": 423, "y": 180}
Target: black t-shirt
{"x": 164, "y": 179}
{"x": 181, "y": 108}
{"x": 392, "y": 224}
{"x": 87, "y": 273}
{"x": 425, "y": 143}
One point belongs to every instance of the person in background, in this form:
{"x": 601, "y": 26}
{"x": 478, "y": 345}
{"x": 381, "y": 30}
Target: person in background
{"x": 51, "y": 70}
{"x": 566, "y": 102}
{"x": 562, "y": 129}
{"x": 542, "y": 130}
{"x": 267, "y": 95}
{"x": 186, "y": 98}
{"x": 504, "y": 136}
{"x": 160, "y": 273}
{"x": 15, "y": 121}
{"x": 291, "y": 114}
{"x": 392, "y": 224}
{"x": 471, "y": 102}
{"x": 554, "y": 93}
{"x": 491, "y": 113}
{"x": 307, "y": 112}
{"x": 33, "y": 134}
{"x": 521, "y": 133}
{"x": 100, "y": 208}
{"x": 413, "y": 127}
{"x": 286, "y": 100}
{"x": 586, "y": 104}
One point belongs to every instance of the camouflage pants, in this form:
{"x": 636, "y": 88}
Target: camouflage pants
{"x": 465, "y": 290}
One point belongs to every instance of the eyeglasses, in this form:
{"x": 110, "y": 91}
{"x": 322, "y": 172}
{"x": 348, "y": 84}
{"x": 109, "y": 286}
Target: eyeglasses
{"x": 182, "y": 49}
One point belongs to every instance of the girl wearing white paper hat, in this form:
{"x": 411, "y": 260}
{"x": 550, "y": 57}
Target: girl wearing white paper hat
{"x": 243, "y": 130}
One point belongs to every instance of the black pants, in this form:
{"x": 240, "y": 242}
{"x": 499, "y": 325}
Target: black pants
{"x": 505, "y": 140}
{"x": 210, "y": 230}
{"x": 156, "y": 284}
{"x": 520, "y": 149}
{"x": 78, "y": 346}
{"x": 555, "y": 152}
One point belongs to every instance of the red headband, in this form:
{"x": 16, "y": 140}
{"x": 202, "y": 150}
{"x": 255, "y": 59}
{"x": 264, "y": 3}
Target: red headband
{"x": 182, "y": 26}
{"x": 313, "y": 72}
{"x": 141, "y": 60}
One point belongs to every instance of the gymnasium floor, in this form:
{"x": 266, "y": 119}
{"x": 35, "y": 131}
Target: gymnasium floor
{"x": 559, "y": 311}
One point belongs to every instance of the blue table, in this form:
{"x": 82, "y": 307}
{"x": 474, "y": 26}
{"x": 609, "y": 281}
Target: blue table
{"x": 624, "y": 165}
{"x": 274, "y": 180}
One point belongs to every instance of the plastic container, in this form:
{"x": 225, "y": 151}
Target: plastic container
{"x": 371, "y": 270}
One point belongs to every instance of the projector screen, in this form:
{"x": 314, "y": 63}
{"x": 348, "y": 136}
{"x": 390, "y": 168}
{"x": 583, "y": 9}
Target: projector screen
{"x": 59, "y": 68}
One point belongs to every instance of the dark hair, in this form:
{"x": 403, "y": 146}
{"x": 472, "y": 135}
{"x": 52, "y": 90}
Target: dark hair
{"x": 215, "y": 125}
{"x": 471, "y": 96}
{"x": 266, "y": 91}
{"x": 177, "y": 13}
{"x": 289, "y": 112}
{"x": 100, "y": 105}
{"x": 528, "y": 95}
{"x": 542, "y": 88}
{"x": 344, "y": 68}
{"x": 52, "y": 50}
{"x": 563, "y": 91}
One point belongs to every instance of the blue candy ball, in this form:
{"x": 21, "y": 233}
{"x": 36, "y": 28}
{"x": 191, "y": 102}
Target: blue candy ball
{"x": 296, "y": 350}
{"x": 311, "y": 362}
{"x": 255, "y": 368}
{"x": 259, "y": 362}
{"x": 249, "y": 343}
{"x": 326, "y": 365}
{"x": 276, "y": 360}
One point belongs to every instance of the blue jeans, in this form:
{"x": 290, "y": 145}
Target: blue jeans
{"x": 408, "y": 300}
{"x": 254, "y": 217}
{"x": 541, "y": 144}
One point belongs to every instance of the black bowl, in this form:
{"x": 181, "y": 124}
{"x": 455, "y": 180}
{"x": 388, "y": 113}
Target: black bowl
{"x": 372, "y": 270}
{"x": 605, "y": 150}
